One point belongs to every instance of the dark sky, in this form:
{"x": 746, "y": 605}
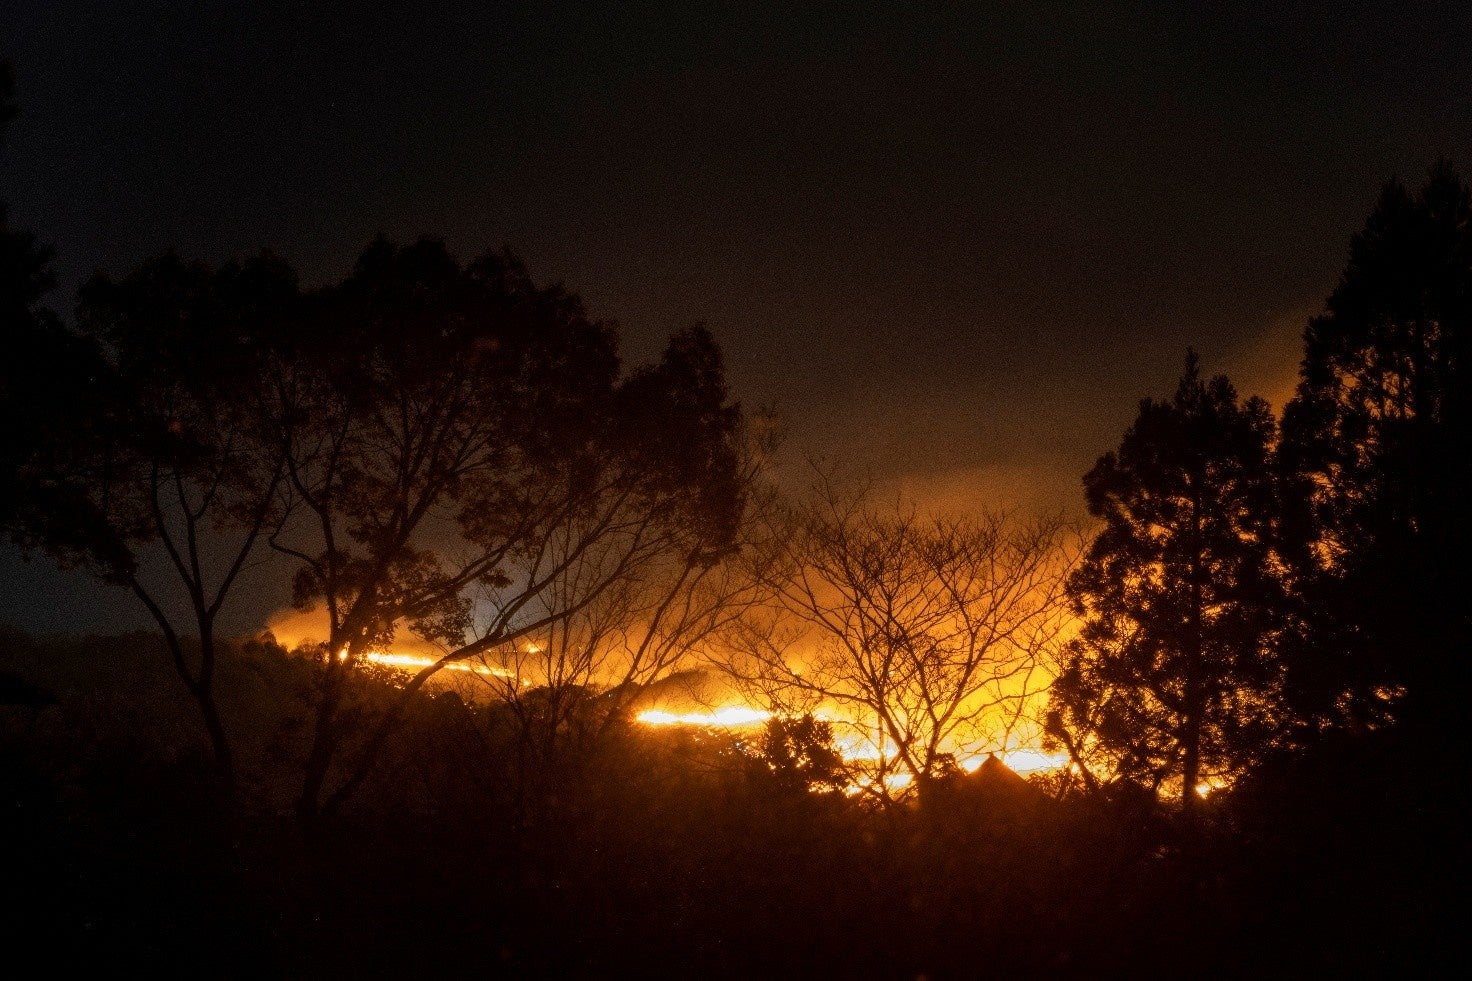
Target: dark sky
{"x": 952, "y": 244}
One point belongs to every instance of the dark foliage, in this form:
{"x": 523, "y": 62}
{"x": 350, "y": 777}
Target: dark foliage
{"x": 53, "y": 387}
{"x": 1375, "y": 453}
{"x": 1175, "y": 677}
{"x": 678, "y": 853}
{"x": 461, "y": 445}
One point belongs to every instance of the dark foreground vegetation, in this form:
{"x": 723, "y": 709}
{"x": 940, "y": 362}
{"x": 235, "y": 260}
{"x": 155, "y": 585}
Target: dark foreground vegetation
{"x": 1263, "y": 708}
{"x": 682, "y": 853}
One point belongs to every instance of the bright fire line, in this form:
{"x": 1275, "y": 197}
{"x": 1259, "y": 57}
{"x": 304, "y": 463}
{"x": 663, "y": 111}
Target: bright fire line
{"x": 853, "y": 749}
{"x": 731, "y": 717}
{"x": 419, "y": 661}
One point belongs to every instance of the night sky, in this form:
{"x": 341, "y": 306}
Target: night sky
{"x": 952, "y": 246}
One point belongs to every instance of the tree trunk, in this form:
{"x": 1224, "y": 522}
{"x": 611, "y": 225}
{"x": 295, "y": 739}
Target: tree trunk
{"x": 324, "y": 744}
{"x": 1191, "y": 729}
{"x": 204, "y": 694}
{"x": 224, "y": 757}
{"x": 1191, "y": 769}
{"x": 200, "y": 688}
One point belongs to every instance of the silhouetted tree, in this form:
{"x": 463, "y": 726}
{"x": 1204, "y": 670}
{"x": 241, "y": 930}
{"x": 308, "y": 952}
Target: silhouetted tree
{"x": 470, "y": 465}
{"x": 52, "y": 384}
{"x": 197, "y": 470}
{"x": 1375, "y": 447}
{"x": 569, "y": 685}
{"x": 1174, "y": 678}
{"x": 922, "y": 636}
{"x": 136, "y": 430}
{"x": 799, "y": 755}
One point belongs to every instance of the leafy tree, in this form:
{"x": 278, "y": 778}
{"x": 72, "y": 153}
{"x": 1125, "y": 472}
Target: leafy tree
{"x": 1174, "y": 678}
{"x": 51, "y": 385}
{"x": 799, "y": 756}
{"x": 1375, "y": 451}
{"x": 166, "y": 457}
{"x": 470, "y": 466}
{"x": 134, "y": 434}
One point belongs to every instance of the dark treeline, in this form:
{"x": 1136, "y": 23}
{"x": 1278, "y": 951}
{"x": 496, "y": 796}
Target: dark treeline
{"x": 1262, "y": 704}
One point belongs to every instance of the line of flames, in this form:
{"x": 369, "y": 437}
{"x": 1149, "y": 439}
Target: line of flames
{"x": 850, "y": 748}
{"x": 855, "y": 748}
{"x": 420, "y": 661}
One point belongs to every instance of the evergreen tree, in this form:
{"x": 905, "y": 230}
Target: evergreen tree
{"x": 1174, "y": 678}
{"x": 1375, "y": 449}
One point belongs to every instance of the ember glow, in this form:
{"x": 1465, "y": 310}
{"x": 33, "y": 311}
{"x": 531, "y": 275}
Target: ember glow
{"x": 1210, "y": 786}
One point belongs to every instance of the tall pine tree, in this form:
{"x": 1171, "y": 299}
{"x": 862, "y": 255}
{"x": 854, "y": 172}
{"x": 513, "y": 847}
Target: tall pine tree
{"x": 1174, "y": 679}
{"x": 1378, "y": 447}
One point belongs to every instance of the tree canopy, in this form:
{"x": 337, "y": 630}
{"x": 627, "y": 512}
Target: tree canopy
{"x": 1174, "y": 679}
{"x": 1375, "y": 453}
{"x": 466, "y": 461}
{"x": 927, "y": 635}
